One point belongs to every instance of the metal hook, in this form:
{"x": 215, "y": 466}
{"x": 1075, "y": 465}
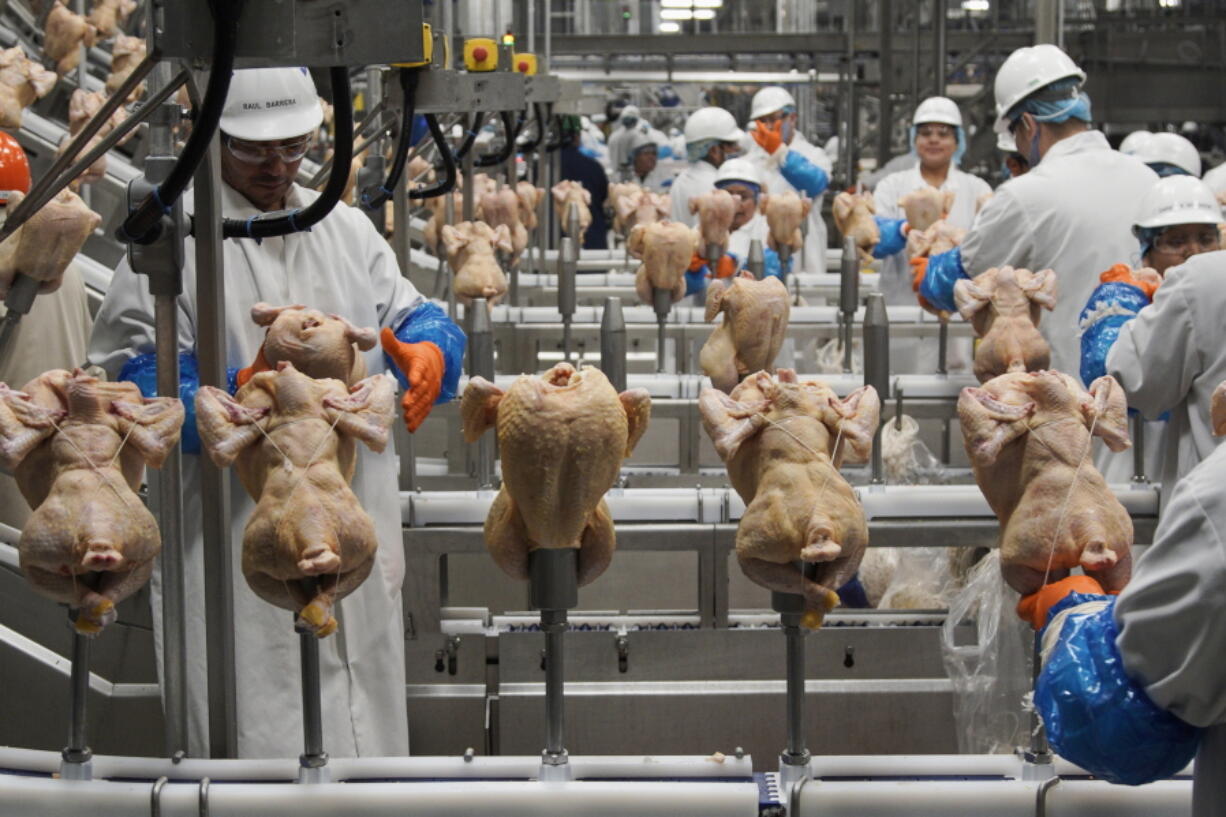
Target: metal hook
{"x": 155, "y": 796}
{"x": 203, "y": 799}
{"x": 1040, "y": 796}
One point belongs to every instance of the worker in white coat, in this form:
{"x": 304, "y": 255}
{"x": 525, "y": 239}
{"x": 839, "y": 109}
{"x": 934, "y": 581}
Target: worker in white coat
{"x": 643, "y": 166}
{"x": 1171, "y": 355}
{"x": 1072, "y": 212}
{"x": 711, "y": 138}
{"x": 789, "y": 161}
{"x": 1169, "y": 154}
{"x": 628, "y": 124}
{"x": 1132, "y": 686}
{"x": 342, "y": 266}
{"x": 938, "y": 139}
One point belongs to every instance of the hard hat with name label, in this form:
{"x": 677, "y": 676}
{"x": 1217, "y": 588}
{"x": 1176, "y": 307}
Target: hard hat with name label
{"x": 1178, "y": 200}
{"x": 769, "y": 100}
{"x": 267, "y": 104}
{"x": 1027, "y": 71}
{"x": 711, "y": 123}
{"x": 938, "y": 109}
{"x": 739, "y": 170}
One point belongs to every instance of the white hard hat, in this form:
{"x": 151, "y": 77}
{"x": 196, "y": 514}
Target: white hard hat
{"x": 266, "y": 104}
{"x": 711, "y": 123}
{"x": 639, "y": 139}
{"x": 1004, "y": 142}
{"x": 1179, "y": 200}
{"x": 1171, "y": 149}
{"x": 938, "y": 109}
{"x": 739, "y": 170}
{"x": 769, "y": 100}
{"x": 1027, "y": 70}
{"x": 629, "y": 112}
{"x": 1135, "y": 142}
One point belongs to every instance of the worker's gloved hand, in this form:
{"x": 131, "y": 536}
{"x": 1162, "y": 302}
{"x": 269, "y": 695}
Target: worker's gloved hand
{"x": 696, "y": 280}
{"x": 260, "y": 364}
{"x": 422, "y": 366}
{"x": 769, "y": 137}
{"x": 1145, "y": 279}
{"x": 142, "y": 370}
{"x": 772, "y": 266}
{"x": 727, "y": 265}
{"x": 1115, "y": 302}
{"x": 893, "y": 236}
{"x": 936, "y": 283}
{"x": 1034, "y": 608}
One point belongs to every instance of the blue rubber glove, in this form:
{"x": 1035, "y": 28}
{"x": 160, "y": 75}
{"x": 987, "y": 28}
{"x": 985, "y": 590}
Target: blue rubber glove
{"x": 892, "y": 238}
{"x": 696, "y": 279}
{"x": 852, "y": 594}
{"x": 1111, "y": 305}
{"x": 803, "y": 175}
{"x": 429, "y": 322}
{"x": 142, "y": 370}
{"x": 1095, "y": 715}
{"x": 944, "y": 270}
{"x": 773, "y": 266}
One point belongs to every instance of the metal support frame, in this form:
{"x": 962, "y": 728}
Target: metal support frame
{"x": 877, "y": 366}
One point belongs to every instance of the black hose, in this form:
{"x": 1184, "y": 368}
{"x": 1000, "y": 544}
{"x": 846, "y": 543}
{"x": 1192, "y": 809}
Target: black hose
{"x": 375, "y": 197}
{"x": 540, "y": 128}
{"x": 143, "y": 225}
{"x": 449, "y": 166}
{"x": 467, "y": 144}
{"x": 551, "y": 145}
{"x": 508, "y": 128}
{"x": 269, "y": 225}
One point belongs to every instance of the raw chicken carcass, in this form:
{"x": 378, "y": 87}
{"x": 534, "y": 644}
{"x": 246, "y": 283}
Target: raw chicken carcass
{"x": 82, "y": 106}
{"x": 79, "y": 446}
{"x": 639, "y": 207}
{"x": 561, "y": 437}
{"x": 748, "y": 339}
{"x": 1003, "y": 306}
{"x": 853, "y": 216}
{"x": 782, "y": 441}
{"x": 470, "y": 254}
{"x": 319, "y": 345}
{"x": 44, "y": 246}
{"x": 530, "y": 197}
{"x": 926, "y": 206}
{"x": 438, "y": 216}
{"x": 293, "y": 439}
{"x": 1027, "y": 436}
{"x": 565, "y": 194}
{"x": 1217, "y": 409}
{"x": 715, "y": 209}
{"x": 941, "y": 236}
{"x": 108, "y": 15}
{"x": 501, "y": 208}
{"x": 22, "y": 80}
{"x": 665, "y": 249}
{"x": 126, "y": 54}
{"x": 784, "y": 212}
{"x": 63, "y": 36}
{"x": 617, "y": 192}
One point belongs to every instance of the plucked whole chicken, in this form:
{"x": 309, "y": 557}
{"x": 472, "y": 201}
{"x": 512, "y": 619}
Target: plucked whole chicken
{"x": 63, "y": 36}
{"x": 926, "y": 207}
{"x": 565, "y": 194}
{"x": 939, "y": 237}
{"x": 530, "y": 197}
{"x": 78, "y": 447}
{"x": 292, "y": 439}
{"x": 22, "y": 80}
{"x": 617, "y": 192}
{"x": 319, "y": 345}
{"x": 432, "y": 232}
{"x": 82, "y": 106}
{"x": 126, "y": 54}
{"x": 715, "y": 209}
{"x": 502, "y": 208}
{"x": 1028, "y": 439}
{"x": 755, "y": 322}
{"x": 783, "y": 441}
{"x": 108, "y": 15}
{"x": 784, "y": 212}
{"x": 639, "y": 207}
{"x": 43, "y": 247}
{"x": 1003, "y": 306}
{"x": 470, "y": 253}
{"x": 853, "y": 216}
{"x": 665, "y": 248}
{"x": 561, "y": 437}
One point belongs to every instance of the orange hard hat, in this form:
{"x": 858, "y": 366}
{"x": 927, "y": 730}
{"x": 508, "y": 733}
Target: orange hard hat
{"x": 14, "y": 166}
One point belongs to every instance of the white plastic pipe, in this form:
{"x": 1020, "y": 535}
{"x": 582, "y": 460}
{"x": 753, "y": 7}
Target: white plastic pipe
{"x": 45, "y": 797}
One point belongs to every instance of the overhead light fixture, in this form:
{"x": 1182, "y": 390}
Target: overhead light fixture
{"x": 708, "y": 4}
{"x": 676, "y": 4}
{"x": 669, "y": 27}
{"x": 704, "y": 14}
{"x": 676, "y": 14}
{"x": 975, "y": 5}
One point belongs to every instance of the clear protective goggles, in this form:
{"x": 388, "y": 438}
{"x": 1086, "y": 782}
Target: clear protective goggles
{"x": 257, "y": 153}
{"x": 1205, "y": 240}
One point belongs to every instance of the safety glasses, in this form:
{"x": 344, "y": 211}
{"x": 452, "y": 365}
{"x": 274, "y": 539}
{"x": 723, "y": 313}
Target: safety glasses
{"x": 256, "y": 153}
{"x": 1184, "y": 244}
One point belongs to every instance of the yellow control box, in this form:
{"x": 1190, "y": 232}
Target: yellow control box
{"x": 524, "y": 63}
{"x": 427, "y": 49}
{"x": 480, "y": 54}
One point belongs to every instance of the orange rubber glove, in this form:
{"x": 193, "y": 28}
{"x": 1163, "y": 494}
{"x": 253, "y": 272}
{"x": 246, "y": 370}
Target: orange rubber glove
{"x": 1123, "y": 274}
{"x": 726, "y": 267}
{"x": 769, "y": 137}
{"x": 697, "y": 262}
{"x": 422, "y": 365}
{"x": 919, "y": 268}
{"x": 260, "y": 364}
{"x": 1033, "y": 609}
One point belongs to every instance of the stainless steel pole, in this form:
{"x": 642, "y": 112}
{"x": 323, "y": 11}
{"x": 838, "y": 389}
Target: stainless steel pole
{"x": 877, "y": 365}
{"x": 553, "y": 589}
{"x": 885, "y": 128}
{"x": 1138, "y": 449}
{"x": 940, "y": 52}
{"x": 613, "y": 343}
{"x": 567, "y": 268}
{"x": 313, "y": 754}
{"x": 77, "y": 750}
{"x": 755, "y": 261}
{"x": 481, "y": 363}
{"x": 849, "y": 149}
{"x": 849, "y": 296}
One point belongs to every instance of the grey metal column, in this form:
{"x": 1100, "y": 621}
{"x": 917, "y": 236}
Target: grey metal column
{"x": 613, "y": 343}
{"x": 1138, "y": 449}
{"x": 885, "y": 129}
{"x": 755, "y": 261}
{"x": 940, "y": 52}
{"x": 848, "y": 148}
{"x": 215, "y": 482}
{"x": 794, "y": 759}
{"x": 877, "y": 364}
{"x": 553, "y": 589}
{"x": 1048, "y": 22}
{"x": 481, "y": 364}
{"x": 849, "y": 296}
{"x": 567, "y": 267}
{"x": 313, "y": 757}
{"x": 77, "y": 751}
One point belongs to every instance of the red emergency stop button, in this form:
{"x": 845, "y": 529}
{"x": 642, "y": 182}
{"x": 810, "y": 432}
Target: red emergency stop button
{"x": 523, "y": 66}
{"x": 480, "y": 54}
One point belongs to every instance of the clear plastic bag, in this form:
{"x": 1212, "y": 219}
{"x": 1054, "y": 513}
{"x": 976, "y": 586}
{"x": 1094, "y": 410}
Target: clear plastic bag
{"x": 991, "y": 676}
{"x": 830, "y": 357}
{"x": 901, "y": 578}
{"x": 906, "y": 459}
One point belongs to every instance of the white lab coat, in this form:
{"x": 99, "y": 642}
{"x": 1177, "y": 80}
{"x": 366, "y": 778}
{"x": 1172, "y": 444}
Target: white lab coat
{"x": 739, "y": 239}
{"x": 1172, "y": 356}
{"x": 1172, "y": 621}
{"x": 619, "y": 146}
{"x": 815, "y": 240}
{"x": 341, "y": 266}
{"x": 657, "y": 181}
{"x": 695, "y": 180}
{"x": 1072, "y": 213}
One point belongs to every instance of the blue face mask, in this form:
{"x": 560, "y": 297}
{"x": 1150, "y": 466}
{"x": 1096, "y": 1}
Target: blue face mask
{"x": 1032, "y": 148}
{"x": 630, "y": 121}
{"x": 787, "y": 131}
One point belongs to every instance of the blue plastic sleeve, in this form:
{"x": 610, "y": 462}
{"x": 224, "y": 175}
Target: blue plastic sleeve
{"x": 1098, "y": 717}
{"x": 803, "y": 174}
{"x": 143, "y": 371}
{"x": 665, "y": 152}
{"x": 1124, "y": 301}
{"x": 773, "y": 267}
{"x": 696, "y": 280}
{"x": 430, "y": 323}
{"x": 892, "y": 240}
{"x": 944, "y": 270}
{"x": 852, "y": 594}
{"x": 420, "y": 129}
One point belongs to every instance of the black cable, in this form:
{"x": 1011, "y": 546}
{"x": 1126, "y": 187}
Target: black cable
{"x": 269, "y": 225}
{"x": 551, "y": 145}
{"x": 449, "y": 164}
{"x": 467, "y": 144}
{"x": 540, "y": 128}
{"x": 375, "y": 197}
{"x": 143, "y": 225}
{"x": 508, "y": 129}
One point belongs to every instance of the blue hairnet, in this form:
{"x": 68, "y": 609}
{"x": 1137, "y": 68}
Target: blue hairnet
{"x": 756, "y": 188}
{"x": 1147, "y": 236}
{"x": 958, "y": 151}
{"x": 698, "y": 150}
{"x": 1164, "y": 169}
{"x": 1076, "y": 105}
